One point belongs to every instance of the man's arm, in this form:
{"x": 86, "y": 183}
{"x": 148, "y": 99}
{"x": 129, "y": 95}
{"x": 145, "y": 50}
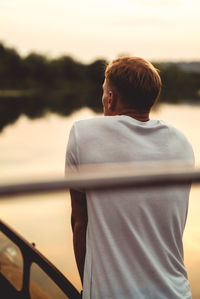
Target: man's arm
{"x": 79, "y": 222}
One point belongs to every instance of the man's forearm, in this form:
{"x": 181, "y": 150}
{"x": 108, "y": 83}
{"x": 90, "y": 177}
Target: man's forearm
{"x": 79, "y": 222}
{"x": 79, "y": 241}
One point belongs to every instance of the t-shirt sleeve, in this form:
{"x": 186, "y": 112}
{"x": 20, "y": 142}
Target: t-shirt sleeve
{"x": 71, "y": 161}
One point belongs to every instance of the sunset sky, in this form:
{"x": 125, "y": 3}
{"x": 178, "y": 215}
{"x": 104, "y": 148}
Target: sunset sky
{"x": 89, "y": 29}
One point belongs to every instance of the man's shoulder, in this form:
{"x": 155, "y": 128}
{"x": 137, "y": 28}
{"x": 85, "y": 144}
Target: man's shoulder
{"x": 91, "y": 122}
{"x": 180, "y": 141}
{"x": 177, "y": 133}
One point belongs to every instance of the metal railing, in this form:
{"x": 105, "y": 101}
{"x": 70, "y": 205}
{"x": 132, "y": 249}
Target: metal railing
{"x": 110, "y": 176}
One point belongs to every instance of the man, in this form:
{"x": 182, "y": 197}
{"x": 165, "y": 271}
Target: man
{"x": 128, "y": 243}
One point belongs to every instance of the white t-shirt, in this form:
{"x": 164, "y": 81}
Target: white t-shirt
{"x": 134, "y": 236}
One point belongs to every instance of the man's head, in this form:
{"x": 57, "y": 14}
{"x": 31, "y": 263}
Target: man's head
{"x": 134, "y": 82}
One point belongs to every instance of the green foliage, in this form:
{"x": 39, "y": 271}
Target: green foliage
{"x": 35, "y": 85}
{"x": 11, "y": 69}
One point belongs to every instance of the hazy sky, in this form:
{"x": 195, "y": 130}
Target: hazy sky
{"x": 87, "y": 29}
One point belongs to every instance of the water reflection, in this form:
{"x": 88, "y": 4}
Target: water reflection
{"x": 191, "y": 240}
{"x": 42, "y": 286}
{"x": 11, "y": 262}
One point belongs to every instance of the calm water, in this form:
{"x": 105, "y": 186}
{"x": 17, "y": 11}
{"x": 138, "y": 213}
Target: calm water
{"x": 34, "y": 149}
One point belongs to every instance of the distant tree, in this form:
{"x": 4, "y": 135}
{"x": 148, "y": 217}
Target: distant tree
{"x": 95, "y": 74}
{"x": 10, "y": 68}
{"x": 36, "y": 72}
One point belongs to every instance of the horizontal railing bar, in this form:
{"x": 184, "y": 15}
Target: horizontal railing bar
{"x": 110, "y": 176}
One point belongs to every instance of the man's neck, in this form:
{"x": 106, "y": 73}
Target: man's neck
{"x": 141, "y": 116}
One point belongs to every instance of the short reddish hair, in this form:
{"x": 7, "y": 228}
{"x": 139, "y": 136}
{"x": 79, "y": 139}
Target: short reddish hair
{"x": 136, "y": 81}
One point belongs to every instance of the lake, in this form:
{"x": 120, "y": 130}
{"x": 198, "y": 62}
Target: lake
{"x": 34, "y": 149}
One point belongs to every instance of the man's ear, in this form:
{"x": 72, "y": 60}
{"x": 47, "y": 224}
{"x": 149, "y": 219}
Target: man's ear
{"x": 111, "y": 100}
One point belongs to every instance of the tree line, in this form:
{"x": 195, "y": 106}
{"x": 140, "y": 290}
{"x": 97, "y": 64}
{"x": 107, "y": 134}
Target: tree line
{"x": 35, "y": 84}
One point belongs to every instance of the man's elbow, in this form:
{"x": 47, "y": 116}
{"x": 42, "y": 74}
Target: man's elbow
{"x": 78, "y": 225}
